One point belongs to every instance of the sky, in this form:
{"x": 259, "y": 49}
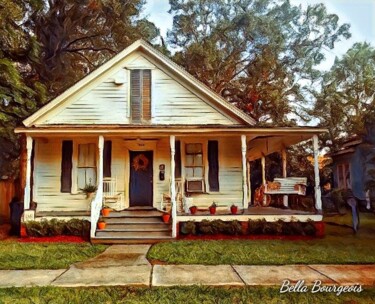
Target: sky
{"x": 360, "y": 14}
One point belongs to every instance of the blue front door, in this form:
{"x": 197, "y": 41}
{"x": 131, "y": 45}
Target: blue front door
{"x": 141, "y": 173}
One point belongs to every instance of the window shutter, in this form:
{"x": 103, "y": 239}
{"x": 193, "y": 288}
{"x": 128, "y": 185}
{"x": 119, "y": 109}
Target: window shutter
{"x": 146, "y": 95}
{"x": 66, "y": 166}
{"x": 135, "y": 95}
{"x": 107, "y": 158}
{"x": 177, "y": 159}
{"x": 213, "y": 165}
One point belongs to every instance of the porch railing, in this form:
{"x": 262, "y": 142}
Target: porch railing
{"x": 96, "y": 206}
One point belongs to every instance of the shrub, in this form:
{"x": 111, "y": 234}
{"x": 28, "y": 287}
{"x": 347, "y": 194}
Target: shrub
{"x": 188, "y": 228}
{"x": 206, "y": 227}
{"x": 280, "y": 227}
{"x": 56, "y": 227}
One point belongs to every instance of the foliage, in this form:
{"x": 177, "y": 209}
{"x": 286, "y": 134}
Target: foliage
{"x": 14, "y": 255}
{"x": 280, "y": 227}
{"x": 261, "y": 55}
{"x": 332, "y": 249}
{"x": 57, "y": 227}
{"x": 76, "y": 37}
{"x": 346, "y": 102}
{"x": 176, "y": 294}
{"x": 47, "y": 46}
{"x": 89, "y": 188}
{"x": 20, "y": 93}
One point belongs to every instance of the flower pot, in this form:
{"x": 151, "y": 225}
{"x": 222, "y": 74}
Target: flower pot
{"x": 319, "y": 226}
{"x": 193, "y": 209}
{"x": 106, "y": 211}
{"x": 101, "y": 225}
{"x": 234, "y": 209}
{"x": 90, "y": 195}
{"x": 166, "y": 217}
{"x": 212, "y": 210}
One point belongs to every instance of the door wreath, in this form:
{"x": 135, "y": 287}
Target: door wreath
{"x": 140, "y": 162}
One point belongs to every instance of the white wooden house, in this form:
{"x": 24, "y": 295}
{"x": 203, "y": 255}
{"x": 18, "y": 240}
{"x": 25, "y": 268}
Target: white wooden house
{"x": 143, "y": 128}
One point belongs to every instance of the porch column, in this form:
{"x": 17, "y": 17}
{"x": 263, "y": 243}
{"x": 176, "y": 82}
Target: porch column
{"x": 244, "y": 177}
{"x": 283, "y": 156}
{"x": 172, "y": 140}
{"x": 27, "y": 191}
{"x": 100, "y": 169}
{"x": 263, "y": 162}
{"x": 318, "y": 198}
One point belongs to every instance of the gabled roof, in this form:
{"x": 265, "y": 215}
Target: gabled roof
{"x": 164, "y": 60}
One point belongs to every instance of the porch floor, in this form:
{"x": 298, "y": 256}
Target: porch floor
{"x": 252, "y": 213}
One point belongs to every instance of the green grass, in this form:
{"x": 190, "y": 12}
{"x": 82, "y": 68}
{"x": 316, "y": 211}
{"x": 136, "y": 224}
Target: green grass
{"x": 339, "y": 246}
{"x": 14, "y": 255}
{"x": 191, "y": 294}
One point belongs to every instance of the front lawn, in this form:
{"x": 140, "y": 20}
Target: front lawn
{"x": 14, "y": 255}
{"x": 339, "y": 246}
{"x": 191, "y": 294}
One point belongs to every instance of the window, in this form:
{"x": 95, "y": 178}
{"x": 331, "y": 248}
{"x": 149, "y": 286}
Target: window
{"x": 86, "y": 168}
{"x": 194, "y": 169}
{"x": 140, "y": 95}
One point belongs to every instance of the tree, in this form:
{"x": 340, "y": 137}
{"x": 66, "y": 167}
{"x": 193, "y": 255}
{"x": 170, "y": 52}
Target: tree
{"x": 48, "y": 45}
{"x": 77, "y": 36}
{"x": 346, "y": 103}
{"x": 20, "y": 94}
{"x": 259, "y": 54}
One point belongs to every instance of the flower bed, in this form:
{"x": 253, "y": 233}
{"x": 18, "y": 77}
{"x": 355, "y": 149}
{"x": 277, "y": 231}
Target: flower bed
{"x": 259, "y": 228}
{"x": 56, "y": 228}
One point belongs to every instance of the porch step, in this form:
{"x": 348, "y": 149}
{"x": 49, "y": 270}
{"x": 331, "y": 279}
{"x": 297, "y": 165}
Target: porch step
{"x": 135, "y": 213}
{"x": 133, "y": 220}
{"x": 132, "y": 234}
{"x": 133, "y": 226}
{"x": 138, "y": 227}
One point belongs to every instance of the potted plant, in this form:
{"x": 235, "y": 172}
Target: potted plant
{"x": 234, "y": 209}
{"x": 89, "y": 189}
{"x": 106, "y": 210}
{"x": 212, "y": 208}
{"x": 166, "y": 217}
{"x": 101, "y": 225}
{"x": 193, "y": 209}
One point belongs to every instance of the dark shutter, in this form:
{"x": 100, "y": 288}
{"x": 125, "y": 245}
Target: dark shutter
{"x": 213, "y": 165}
{"x": 177, "y": 159}
{"x": 146, "y": 95}
{"x": 135, "y": 96}
{"x": 66, "y": 166}
{"x": 107, "y": 158}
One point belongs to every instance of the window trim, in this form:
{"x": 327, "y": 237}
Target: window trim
{"x": 129, "y": 95}
{"x": 204, "y": 143}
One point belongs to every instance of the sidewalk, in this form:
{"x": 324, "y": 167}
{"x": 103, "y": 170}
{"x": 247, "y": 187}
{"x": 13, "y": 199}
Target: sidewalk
{"x": 127, "y": 265}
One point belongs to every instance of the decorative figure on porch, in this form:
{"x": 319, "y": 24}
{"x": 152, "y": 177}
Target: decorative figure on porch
{"x": 261, "y": 199}
{"x": 140, "y": 162}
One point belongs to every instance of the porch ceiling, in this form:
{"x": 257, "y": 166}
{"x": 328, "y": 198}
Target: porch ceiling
{"x": 264, "y": 145}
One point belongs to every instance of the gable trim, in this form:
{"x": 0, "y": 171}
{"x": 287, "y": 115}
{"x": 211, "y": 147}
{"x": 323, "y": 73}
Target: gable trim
{"x": 101, "y": 71}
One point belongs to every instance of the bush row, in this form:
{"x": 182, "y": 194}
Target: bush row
{"x": 258, "y": 227}
{"x": 56, "y": 227}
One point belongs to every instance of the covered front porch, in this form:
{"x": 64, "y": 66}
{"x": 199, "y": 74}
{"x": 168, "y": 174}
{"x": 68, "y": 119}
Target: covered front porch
{"x": 172, "y": 165}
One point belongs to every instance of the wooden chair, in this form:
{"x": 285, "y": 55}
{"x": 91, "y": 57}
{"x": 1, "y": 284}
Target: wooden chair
{"x": 111, "y": 196}
{"x": 165, "y": 202}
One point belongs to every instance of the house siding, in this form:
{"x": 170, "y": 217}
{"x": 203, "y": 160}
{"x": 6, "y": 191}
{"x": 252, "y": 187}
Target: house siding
{"x": 107, "y": 102}
{"x": 47, "y": 172}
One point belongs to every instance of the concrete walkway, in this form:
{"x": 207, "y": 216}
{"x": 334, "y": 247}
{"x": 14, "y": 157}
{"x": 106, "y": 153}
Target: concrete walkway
{"x": 126, "y": 265}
